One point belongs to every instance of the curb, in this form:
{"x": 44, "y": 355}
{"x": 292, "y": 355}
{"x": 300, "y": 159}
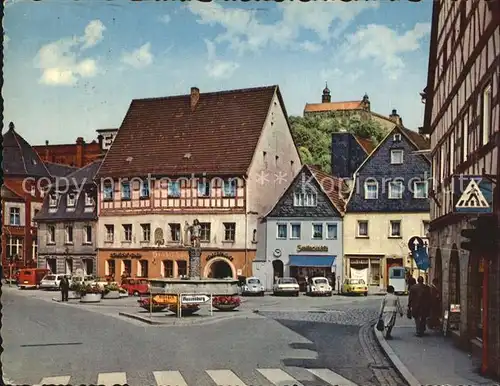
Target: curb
{"x": 391, "y": 355}
{"x": 184, "y": 323}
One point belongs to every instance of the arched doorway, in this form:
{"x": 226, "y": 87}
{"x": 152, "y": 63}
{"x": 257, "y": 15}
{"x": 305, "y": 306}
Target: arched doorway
{"x": 278, "y": 269}
{"x": 454, "y": 277}
{"x": 220, "y": 268}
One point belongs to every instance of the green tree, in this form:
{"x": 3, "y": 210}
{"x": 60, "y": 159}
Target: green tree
{"x": 313, "y": 134}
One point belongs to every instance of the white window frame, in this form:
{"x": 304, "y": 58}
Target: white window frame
{"x": 51, "y": 234}
{"x": 391, "y": 229}
{"x": 415, "y": 190}
{"x": 336, "y": 236}
{"x": 370, "y": 184}
{"x": 393, "y": 153}
{"x": 126, "y": 187}
{"x": 486, "y": 115}
{"x": 391, "y": 192}
{"x": 396, "y": 138}
{"x": 204, "y": 189}
{"x": 108, "y": 191}
{"x": 69, "y": 235}
{"x": 358, "y": 227}
{"x": 291, "y": 231}
{"x": 110, "y": 232}
{"x": 282, "y": 225}
{"x": 53, "y": 200}
{"x": 322, "y": 231}
{"x": 88, "y": 232}
{"x": 305, "y": 199}
{"x": 227, "y": 228}
{"x": 15, "y": 212}
{"x": 89, "y": 200}
{"x": 71, "y": 202}
{"x": 146, "y": 230}
{"x": 127, "y": 236}
{"x": 14, "y": 247}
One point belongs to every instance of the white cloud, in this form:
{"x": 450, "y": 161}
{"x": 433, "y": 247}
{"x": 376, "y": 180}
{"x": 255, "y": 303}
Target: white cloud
{"x": 244, "y": 32}
{"x": 140, "y": 57}
{"x": 93, "y": 33}
{"x": 336, "y": 74}
{"x": 165, "y": 19}
{"x": 384, "y": 46}
{"x": 310, "y": 46}
{"x": 61, "y": 61}
{"x": 216, "y": 68}
{"x": 6, "y": 41}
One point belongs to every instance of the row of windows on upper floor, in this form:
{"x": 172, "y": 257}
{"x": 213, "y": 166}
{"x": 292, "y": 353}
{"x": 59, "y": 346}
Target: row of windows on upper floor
{"x": 419, "y": 189}
{"x": 395, "y": 229}
{"x": 15, "y": 216}
{"x": 69, "y": 232}
{"x": 71, "y": 199}
{"x": 204, "y": 189}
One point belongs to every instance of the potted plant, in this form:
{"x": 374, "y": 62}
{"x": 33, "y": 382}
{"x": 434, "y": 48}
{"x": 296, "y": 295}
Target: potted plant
{"x": 146, "y": 304}
{"x": 186, "y": 309}
{"x": 226, "y": 303}
{"x": 90, "y": 293}
{"x": 74, "y": 290}
{"x": 111, "y": 291}
{"x": 122, "y": 292}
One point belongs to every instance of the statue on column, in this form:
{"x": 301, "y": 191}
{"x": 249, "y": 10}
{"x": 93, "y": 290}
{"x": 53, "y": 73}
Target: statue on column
{"x": 195, "y": 233}
{"x": 187, "y": 234}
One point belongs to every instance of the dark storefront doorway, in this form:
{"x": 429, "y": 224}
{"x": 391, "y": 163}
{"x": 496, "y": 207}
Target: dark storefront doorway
{"x": 221, "y": 270}
{"x": 278, "y": 269}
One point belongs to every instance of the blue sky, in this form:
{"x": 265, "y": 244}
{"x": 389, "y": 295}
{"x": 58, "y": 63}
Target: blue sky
{"x": 72, "y": 67}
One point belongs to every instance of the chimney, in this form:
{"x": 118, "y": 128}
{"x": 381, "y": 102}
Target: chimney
{"x": 11, "y": 126}
{"x": 100, "y": 138}
{"x": 396, "y": 118}
{"x": 79, "y": 152}
{"x": 365, "y": 104}
{"x": 47, "y": 151}
{"x": 195, "y": 97}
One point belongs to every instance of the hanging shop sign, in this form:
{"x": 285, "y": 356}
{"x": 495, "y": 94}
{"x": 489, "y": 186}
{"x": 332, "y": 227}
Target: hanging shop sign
{"x": 125, "y": 255}
{"x": 312, "y": 248}
{"x": 219, "y": 254}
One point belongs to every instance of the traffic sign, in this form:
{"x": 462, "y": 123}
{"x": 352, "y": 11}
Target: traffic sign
{"x": 165, "y": 299}
{"x": 415, "y": 242}
{"x": 194, "y": 299}
{"x": 472, "y": 194}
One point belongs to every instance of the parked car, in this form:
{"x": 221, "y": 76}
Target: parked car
{"x": 252, "y": 286}
{"x": 355, "y": 287}
{"x": 87, "y": 279}
{"x": 286, "y": 285}
{"x": 31, "y": 277}
{"x": 136, "y": 286}
{"x": 319, "y": 286}
{"x": 51, "y": 282}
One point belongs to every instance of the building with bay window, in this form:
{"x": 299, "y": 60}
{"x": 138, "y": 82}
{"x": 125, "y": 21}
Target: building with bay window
{"x": 388, "y": 204}
{"x": 211, "y": 157}
{"x": 67, "y": 223}
{"x": 303, "y": 232}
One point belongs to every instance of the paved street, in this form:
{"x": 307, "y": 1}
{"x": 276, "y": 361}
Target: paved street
{"x": 307, "y": 340}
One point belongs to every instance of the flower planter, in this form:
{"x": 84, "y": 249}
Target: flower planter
{"x": 123, "y": 295}
{"x": 186, "y": 311}
{"x": 112, "y": 295}
{"x": 225, "y": 307}
{"x": 155, "y": 308}
{"x": 90, "y": 298}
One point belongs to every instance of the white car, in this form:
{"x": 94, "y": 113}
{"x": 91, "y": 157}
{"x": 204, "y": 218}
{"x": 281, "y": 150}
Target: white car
{"x": 252, "y": 286}
{"x": 319, "y": 286}
{"x": 286, "y": 285}
{"x": 51, "y": 281}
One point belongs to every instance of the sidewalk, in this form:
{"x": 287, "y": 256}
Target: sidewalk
{"x": 429, "y": 360}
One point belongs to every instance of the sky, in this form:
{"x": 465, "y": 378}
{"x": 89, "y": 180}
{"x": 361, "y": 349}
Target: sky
{"x": 72, "y": 67}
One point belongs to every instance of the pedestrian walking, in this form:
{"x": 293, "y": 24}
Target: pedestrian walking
{"x": 419, "y": 304}
{"x": 64, "y": 286}
{"x": 389, "y": 309}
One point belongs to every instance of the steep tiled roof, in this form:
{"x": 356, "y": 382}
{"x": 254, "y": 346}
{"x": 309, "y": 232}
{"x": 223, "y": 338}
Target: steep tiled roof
{"x": 420, "y": 141}
{"x": 332, "y": 106}
{"x": 165, "y": 136}
{"x": 83, "y": 179}
{"x": 19, "y": 158}
{"x": 367, "y": 144}
{"x": 332, "y": 186}
{"x": 59, "y": 170}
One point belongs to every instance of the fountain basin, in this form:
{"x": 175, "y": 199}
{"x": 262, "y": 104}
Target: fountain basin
{"x": 216, "y": 287}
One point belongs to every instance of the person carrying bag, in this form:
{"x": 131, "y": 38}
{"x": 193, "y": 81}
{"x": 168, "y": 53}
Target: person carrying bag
{"x": 389, "y": 309}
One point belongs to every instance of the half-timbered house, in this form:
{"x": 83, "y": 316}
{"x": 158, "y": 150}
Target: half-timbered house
{"x": 222, "y": 158}
{"x": 462, "y": 116}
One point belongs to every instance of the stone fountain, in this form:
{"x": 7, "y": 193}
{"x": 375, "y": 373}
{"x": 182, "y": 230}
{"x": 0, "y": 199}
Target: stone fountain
{"x": 194, "y": 284}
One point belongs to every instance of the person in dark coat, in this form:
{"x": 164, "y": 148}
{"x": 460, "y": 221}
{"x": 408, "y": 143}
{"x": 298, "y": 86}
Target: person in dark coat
{"x": 64, "y": 286}
{"x": 419, "y": 303}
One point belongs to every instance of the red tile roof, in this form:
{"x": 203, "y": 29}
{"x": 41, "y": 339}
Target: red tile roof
{"x": 332, "y": 186}
{"x": 332, "y": 106}
{"x": 419, "y": 140}
{"x": 164, "y": 136}
{"x": 367, "y": 144}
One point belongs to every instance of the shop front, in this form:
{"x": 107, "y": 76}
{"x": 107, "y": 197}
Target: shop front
{"x": 368, "y": 268}
{"x": 154, "y": 263}
{"x": 311, "y": 261}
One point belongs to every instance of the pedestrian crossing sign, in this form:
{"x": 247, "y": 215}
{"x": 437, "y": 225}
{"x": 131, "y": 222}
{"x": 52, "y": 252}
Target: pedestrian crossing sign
{"x": 472, "y": 194}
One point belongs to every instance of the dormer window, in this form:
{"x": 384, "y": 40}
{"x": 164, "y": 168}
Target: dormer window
{"x": 71, "y": 199}
{"x": 230, "y": 187}
{"x": 125, "y": 190}
{"x": 144, "y": 189}
{"x": 53, "y": 200}
{"x": 89, "y": 200}
{"x": 108, "y": 191}
{"x": 396, "y": 157}
{"x": 397, "y": 138}
{"x": 304, "y": 199}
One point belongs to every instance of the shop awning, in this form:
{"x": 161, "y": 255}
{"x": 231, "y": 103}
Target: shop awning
{"x": 311, "y": 260}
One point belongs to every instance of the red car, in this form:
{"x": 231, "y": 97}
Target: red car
{"x": 136, "y": 286}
